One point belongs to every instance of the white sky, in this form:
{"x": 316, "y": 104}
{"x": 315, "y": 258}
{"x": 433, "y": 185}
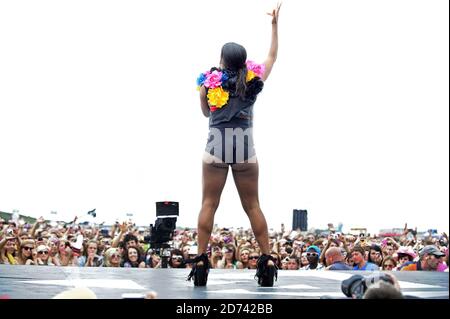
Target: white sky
{"x": 98, "y": 109}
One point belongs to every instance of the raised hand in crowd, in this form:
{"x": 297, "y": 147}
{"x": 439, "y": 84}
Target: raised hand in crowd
{"x": 122, "y": 230}
{"x": 96, "y": 233}
{"x": 123, "y": 227}
{"x": 392, "y": 242}
{"x": 38, "y": 222}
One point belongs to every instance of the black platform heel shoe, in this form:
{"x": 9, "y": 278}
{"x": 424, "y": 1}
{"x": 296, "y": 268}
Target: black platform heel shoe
{"x": 265, "y": 272}
{"x": 199, "y": 272}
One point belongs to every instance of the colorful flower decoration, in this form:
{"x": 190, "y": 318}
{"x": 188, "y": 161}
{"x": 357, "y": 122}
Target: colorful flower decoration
{"x": 215, "y": 79}
{"x": 200, "y": 80}
{"x": 256, "y": 68}
{"x": 217, "y": 97}
{"x": 250, "y": 75}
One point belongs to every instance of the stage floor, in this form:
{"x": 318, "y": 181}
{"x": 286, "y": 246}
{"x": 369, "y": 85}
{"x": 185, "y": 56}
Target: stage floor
{"x": 35, "y": 282}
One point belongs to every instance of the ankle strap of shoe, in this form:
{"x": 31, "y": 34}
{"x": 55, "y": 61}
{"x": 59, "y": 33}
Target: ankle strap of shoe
{"x": 198, "y": 258}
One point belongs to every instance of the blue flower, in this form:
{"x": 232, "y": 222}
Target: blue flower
{"x": 201, "y": 78}
{"x": 224, "y": 76}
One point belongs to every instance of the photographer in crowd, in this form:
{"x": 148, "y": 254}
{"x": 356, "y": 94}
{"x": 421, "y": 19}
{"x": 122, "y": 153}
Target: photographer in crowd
{"x": 384, "y": 289}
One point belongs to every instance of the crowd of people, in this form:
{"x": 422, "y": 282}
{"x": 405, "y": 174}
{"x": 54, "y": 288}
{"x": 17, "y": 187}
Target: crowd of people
{"x": 125, "y": 245}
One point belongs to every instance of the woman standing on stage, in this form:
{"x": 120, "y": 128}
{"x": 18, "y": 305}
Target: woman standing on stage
{"x": 227, "y": 96}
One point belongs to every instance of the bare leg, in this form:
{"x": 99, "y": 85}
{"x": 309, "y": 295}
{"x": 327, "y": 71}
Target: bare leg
{"x": 214, "y": 178}
{"x": 246, "y": 179}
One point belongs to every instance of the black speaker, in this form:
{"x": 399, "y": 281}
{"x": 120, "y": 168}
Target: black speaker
{"x": 300, "y": 219}
{"x": 167, "y": 208}
{"x": 165, "y": 223}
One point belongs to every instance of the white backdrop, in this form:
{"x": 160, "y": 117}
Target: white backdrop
{"x": 98, "y": 109}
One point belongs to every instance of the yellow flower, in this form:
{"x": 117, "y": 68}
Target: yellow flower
{"x": 217, "y": 97}
{"x": 250, "y": 75}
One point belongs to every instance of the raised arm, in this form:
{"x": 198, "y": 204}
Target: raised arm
{"x": 39, "y": 221}
{"x": 118, "y": 238}
{"x": 4, "y": 240}
{"x": 273, "y": 51}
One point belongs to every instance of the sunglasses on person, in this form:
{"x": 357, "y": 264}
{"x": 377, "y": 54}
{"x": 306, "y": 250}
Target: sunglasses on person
{"x": 177, "y": 258}
{"x": 312, "y": 254}
{"x": 43, "y": 252}
{"x": 253, "y": 257}
{"x": 115, "y": 256}
{"x": 27, "y": 248}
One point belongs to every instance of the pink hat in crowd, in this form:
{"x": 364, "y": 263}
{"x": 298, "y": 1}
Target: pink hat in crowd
{"x": 407, "y": 251}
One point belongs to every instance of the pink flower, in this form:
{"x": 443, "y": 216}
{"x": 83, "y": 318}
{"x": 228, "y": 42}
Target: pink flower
{"x": 213, "y": 79}
{"x": 258, "y": 69}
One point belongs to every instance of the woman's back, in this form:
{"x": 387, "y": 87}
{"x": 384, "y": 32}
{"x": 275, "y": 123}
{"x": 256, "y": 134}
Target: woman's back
{"x": 232, "y": 94}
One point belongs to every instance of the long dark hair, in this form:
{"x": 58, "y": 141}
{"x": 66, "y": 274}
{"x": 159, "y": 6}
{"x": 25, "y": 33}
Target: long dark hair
{"x": 233, "y": 57}
{"x": 126, "y": 258}
{"x": 378, "y": 249}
